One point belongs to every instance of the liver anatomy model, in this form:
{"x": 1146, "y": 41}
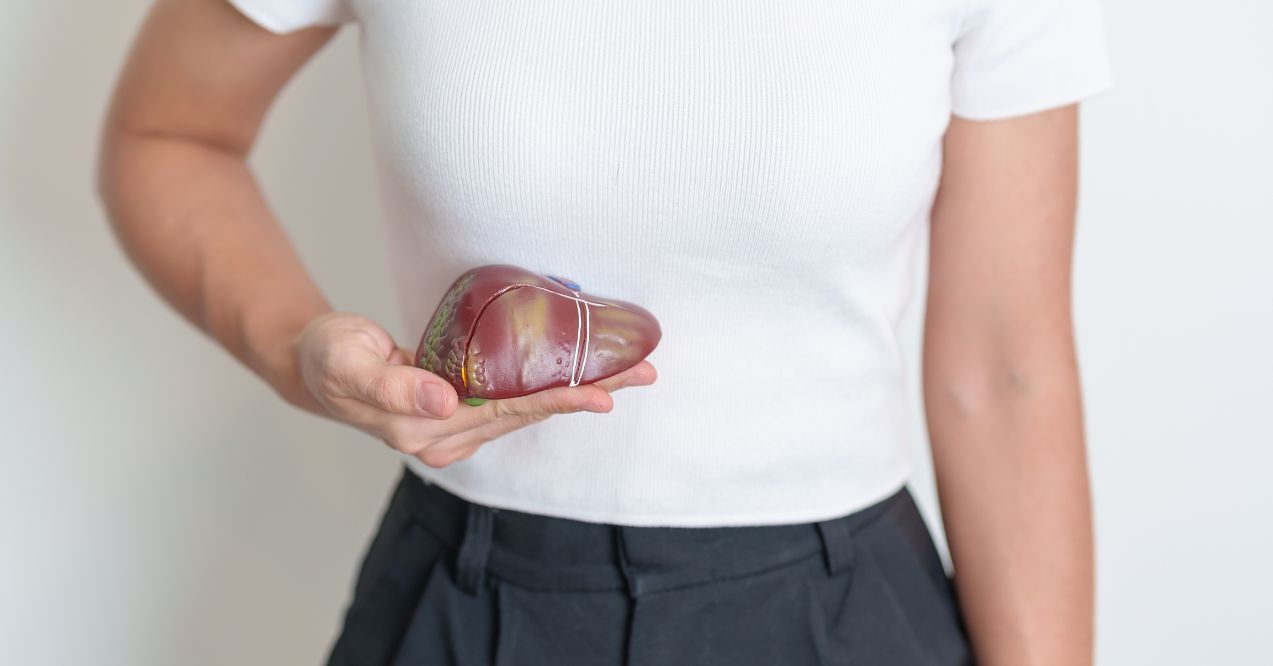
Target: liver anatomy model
{"x": 502, "y": 331}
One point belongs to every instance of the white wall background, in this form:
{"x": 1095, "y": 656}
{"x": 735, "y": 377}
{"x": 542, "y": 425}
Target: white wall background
{"x": 158, "y": 505}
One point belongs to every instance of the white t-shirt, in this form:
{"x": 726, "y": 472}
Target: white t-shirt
{"x": 756, "y": 173}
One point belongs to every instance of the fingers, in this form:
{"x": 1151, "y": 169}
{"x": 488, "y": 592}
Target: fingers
{"x": 641, "y": 374}
{"x": 495, "y": 417}
{"x": 560, "y": 400}
{"x": 473, "y": 438}
{"x": 505, "y": 416}
{"x": 439, "y": 442}
{"x": 406, "y": 391}
{"x": 527, "y": 409}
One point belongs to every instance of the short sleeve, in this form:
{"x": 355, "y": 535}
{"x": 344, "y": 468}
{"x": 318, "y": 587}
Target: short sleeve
{"x": 1013, "y": 57}
{"x": 281, "y": 16}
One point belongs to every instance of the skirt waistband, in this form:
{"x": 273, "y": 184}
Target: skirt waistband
{"x": 550, "y": 553}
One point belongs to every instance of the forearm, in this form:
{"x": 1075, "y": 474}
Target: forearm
{"x": 1008, "y": 452}
{"x": 192, "y": 219}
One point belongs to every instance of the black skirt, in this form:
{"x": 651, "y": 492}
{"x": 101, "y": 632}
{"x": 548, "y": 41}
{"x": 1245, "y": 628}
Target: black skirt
{"x": 449, "y": 582}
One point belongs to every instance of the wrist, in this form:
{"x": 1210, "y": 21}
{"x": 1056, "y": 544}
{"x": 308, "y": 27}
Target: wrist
{"x": 274, "y": 355}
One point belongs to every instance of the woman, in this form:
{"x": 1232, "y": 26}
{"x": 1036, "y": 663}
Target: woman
{"x": 760, "y": 177}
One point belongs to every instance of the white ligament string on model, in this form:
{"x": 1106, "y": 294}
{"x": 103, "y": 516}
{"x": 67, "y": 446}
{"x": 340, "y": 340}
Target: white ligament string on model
{"x": 587, "y": 334}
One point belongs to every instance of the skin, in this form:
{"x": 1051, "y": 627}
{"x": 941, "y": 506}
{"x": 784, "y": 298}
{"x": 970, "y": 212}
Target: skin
{"x": 1001, "y": 387}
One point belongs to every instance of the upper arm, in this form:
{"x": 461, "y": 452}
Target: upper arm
{"x": 998, "y": 312}
{"x": 200, "y": 70}
{"x": 1001, "y": 246}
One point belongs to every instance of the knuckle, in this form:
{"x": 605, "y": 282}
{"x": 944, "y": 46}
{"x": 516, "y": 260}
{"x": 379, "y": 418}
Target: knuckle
{"x": 331, "y": 358}
{"x": 398, "y": 438}
{"x": 332, "y": 384}
{"x": 560, "y": 403}
{"x": 499, "y": 409}
{"x": 391, "y": 394}
{"x": 404, "y": 444}
{"x": 383, "y": 391}
{"x": 527, "y": 419}
{"x": 331, "y": 371}
{"x": 394, "y": 443}
{"x": 438, "y": 457}
{"x": 536, "y": 409}
{"x": 544, "y": 403}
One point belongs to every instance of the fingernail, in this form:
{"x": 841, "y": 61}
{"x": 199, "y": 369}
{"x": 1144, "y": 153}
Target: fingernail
{"x": 431, "y": 398}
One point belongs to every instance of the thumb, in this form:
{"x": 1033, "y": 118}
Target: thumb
{"x": 409, "y": 391}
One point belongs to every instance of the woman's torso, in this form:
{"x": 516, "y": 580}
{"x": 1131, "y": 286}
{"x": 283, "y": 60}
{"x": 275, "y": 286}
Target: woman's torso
{"x": 758, "y": 176}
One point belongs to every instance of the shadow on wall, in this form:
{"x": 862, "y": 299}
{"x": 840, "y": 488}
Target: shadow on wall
{"x": 167, "y": 507}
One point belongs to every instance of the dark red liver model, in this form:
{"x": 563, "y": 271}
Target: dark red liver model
{"x": 502, "y": 331}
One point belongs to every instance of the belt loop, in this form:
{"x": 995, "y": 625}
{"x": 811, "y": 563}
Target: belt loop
{"x": 631, "y": 583}
{"x": 470, "y": 560}
{"x": 837, "y": 544}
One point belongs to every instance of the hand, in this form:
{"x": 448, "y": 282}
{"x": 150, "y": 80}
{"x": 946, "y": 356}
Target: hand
{"x": 355, "y": 370}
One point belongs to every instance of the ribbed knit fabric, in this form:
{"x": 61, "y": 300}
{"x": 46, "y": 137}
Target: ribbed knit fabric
{"x": 758, "y": 174}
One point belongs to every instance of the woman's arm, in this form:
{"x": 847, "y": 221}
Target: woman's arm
{"x": 181, "y": 199}
{"x": 1001, "y": 389}
{"x": 173, "y": 176}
